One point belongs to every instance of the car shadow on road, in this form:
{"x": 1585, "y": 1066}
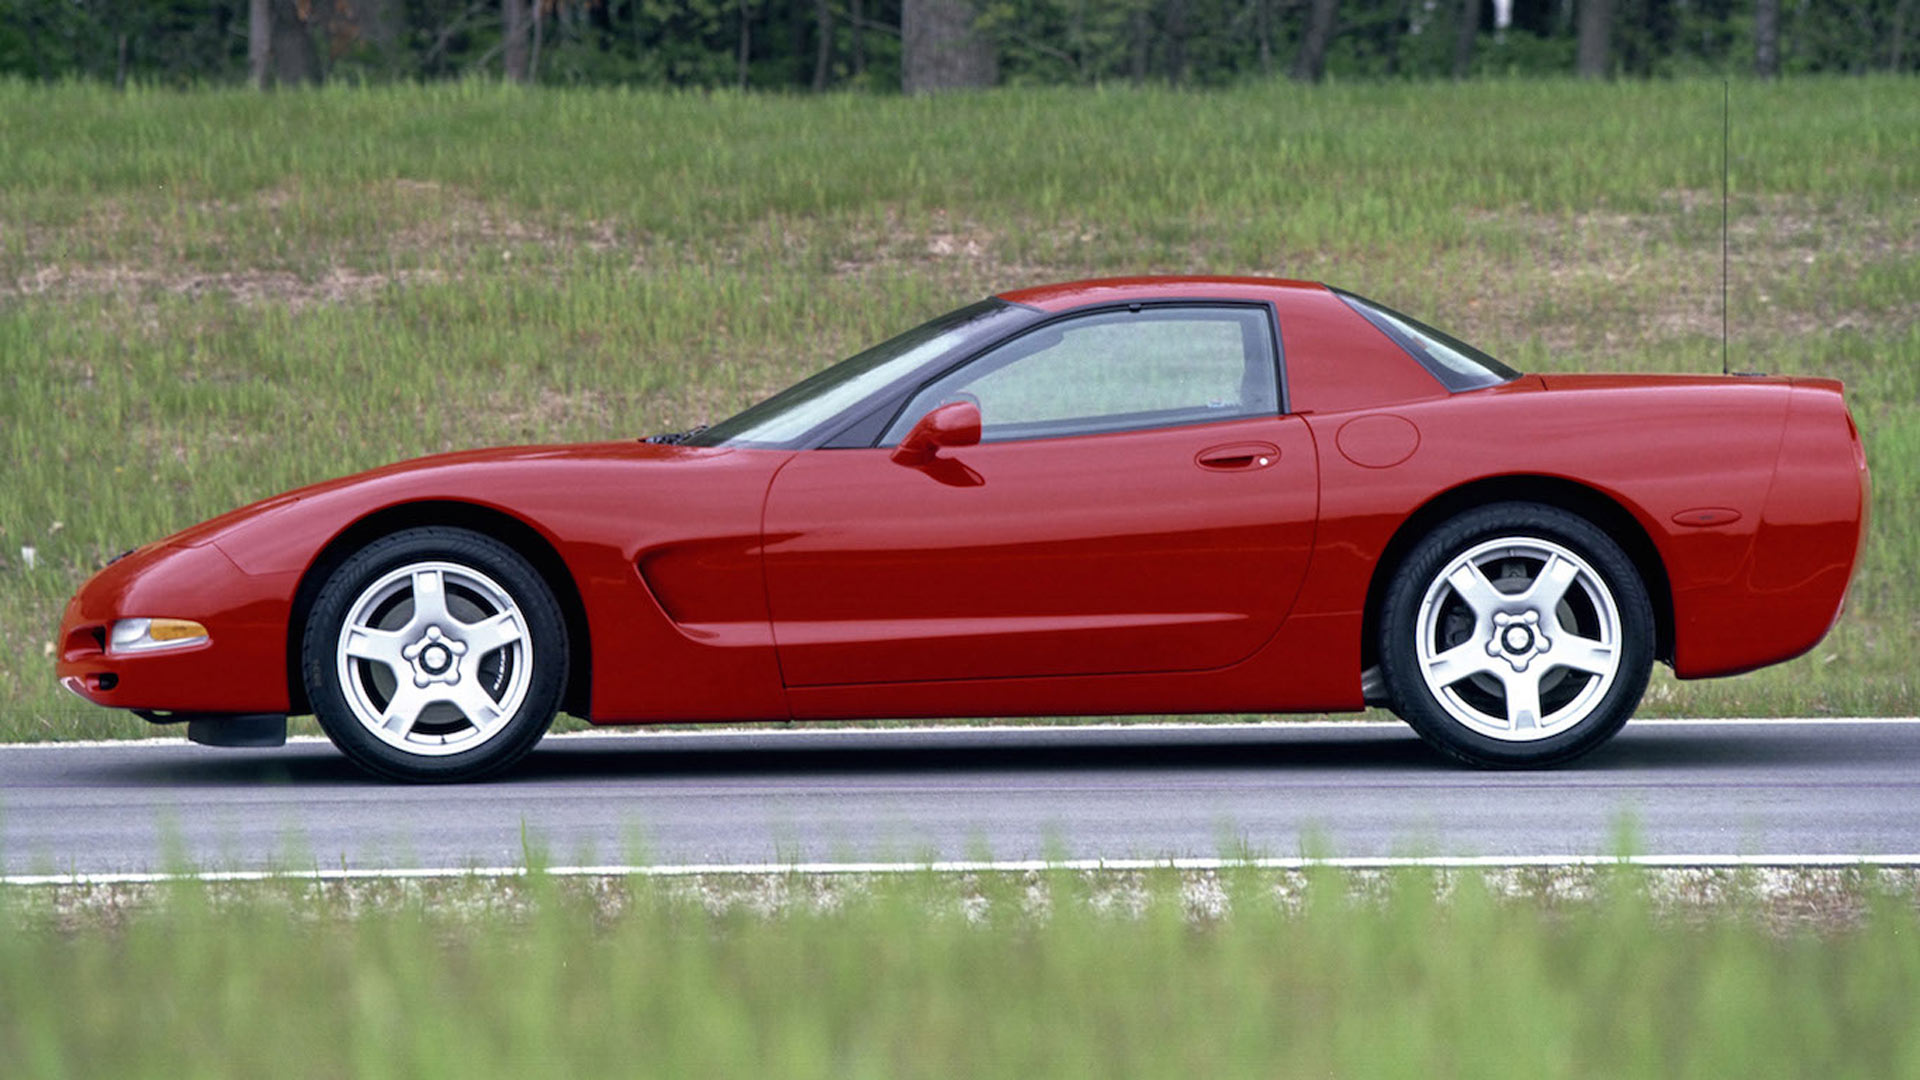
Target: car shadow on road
{"x": 1390, "y": 748}
{"x": 1679, "y": 748}
{"x": 800, "y": 754}
{"x": 1639, "y": 753}
{"x": 1305, "y": 751}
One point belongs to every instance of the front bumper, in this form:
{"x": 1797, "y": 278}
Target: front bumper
{"x": 242, "y": 667}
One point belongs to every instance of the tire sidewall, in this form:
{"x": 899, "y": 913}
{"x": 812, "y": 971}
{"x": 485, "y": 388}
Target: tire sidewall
{"x": 1415, "y": 701}
{"x": 545, "y": 627}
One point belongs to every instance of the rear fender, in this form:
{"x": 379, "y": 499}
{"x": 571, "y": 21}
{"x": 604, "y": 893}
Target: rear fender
{"x": 1789, "y": 590}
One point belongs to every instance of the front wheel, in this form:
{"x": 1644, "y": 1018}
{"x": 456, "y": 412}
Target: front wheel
{"x": 435, "y": 654}
{"x": 1516, "y": 635}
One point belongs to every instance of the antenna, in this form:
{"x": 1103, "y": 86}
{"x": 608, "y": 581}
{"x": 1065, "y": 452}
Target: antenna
{"x": 1726, "y": 140}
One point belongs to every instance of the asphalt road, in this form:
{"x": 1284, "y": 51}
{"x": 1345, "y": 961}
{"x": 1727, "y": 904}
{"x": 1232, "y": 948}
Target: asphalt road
{"x": 1688, "y": 788}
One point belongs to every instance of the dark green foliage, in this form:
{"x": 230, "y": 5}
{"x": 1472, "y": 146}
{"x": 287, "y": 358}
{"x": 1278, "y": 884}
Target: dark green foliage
{"x": 169, "y": 41}
{"x": 697, "y": 43}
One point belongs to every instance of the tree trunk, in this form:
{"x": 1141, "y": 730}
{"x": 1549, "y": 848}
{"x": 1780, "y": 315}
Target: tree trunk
{"x": 1175, "y": 28}
{"x": 1596, "y": 25}
{"x": 1862, "y": 55}
{"x": 1766, "y": 39}
{"x": 1897, "y": 48}
{"x": 746, "y": 41}
{"x": 823, "y": 49}
{"x": 260, "y": 43}
{"x": 539, "y": 30}
{"x": 1137, "y": 46}
{"x": 514, "y": 24}
{"x": 859, "y": 23}
{"x": 1077, "y": 40}
{"x": 1263, "y": 30}
{"x": 1465, "y": 32}
{"x": 940, "y": 49}
{"x": 1310, "y": 64}
{"x": 280, "y": 49}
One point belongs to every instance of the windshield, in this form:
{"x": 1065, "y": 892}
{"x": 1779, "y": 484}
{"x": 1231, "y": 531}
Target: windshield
{"x": 1458, "y": 365}
{"x": 793, "y": 413}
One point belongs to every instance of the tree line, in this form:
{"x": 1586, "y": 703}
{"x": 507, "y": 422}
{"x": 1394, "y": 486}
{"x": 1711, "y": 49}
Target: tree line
{"x": 925, "y": 45}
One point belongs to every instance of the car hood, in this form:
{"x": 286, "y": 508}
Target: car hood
{"x": 460, "y": 474}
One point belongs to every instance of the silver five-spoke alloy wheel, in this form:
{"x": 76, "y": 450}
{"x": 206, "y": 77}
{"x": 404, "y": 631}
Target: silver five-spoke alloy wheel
{"x": 1517, "y": 634}
{"x": 434, "y": 657}
{"x": 435, "y": 653}
{"x": 1518, "y": 638}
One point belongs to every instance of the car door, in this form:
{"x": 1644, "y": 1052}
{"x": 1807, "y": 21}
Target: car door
{"x": 1137, "y": 503}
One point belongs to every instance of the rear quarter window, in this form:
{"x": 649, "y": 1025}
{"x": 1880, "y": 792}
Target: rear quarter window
{"x": 1458, "y": 365}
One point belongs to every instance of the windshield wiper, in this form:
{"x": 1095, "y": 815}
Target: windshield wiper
{"x": 674, "y": 437}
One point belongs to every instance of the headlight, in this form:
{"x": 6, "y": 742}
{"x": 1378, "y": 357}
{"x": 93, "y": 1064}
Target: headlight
{"x": 145, "y": 635}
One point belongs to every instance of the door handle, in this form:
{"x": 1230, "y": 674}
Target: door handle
{"x": 1237, "y": 456}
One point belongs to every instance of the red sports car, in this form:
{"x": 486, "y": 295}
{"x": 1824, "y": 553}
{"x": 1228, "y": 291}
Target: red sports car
{"x": 1150, "y": 495}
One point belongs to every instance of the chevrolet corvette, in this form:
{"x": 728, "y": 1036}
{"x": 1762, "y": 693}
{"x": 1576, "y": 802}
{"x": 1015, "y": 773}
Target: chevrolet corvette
{"x": 1124, "y": 496}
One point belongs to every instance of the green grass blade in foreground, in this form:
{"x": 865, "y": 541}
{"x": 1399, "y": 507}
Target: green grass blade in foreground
{"x": 1244, "y": 973}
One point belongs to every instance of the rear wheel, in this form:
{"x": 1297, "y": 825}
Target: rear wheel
{"x": 435, "y": 654}
{"x": 1516, "y": 635}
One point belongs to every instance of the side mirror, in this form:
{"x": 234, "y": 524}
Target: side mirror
{"x": 957, "y": 423}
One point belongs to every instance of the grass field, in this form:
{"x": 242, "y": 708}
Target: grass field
{"x": 1244, "y": 973}
{"x": 208, "y": 297}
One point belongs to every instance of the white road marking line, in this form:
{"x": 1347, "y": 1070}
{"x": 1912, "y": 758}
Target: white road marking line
{"x": 1435, "y": 862}
{"x": 801, "y": 729}
{"x": 1732, "y": 721}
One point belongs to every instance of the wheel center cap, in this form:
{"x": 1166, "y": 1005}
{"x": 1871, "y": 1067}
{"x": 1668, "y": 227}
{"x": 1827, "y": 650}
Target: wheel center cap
{"x": 1516, "y": 638}
{"x": 433, "y": 657}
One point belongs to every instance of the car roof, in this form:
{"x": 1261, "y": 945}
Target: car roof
{"x": 1074, "y": 294}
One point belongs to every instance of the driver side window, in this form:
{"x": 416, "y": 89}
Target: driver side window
{"x": 1115, "y": 371}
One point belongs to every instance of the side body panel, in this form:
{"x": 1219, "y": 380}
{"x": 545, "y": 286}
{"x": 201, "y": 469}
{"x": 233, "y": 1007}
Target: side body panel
{"x": 1089, "y": 555}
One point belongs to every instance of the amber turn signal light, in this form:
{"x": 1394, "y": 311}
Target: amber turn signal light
{"x": 140, "y": 635}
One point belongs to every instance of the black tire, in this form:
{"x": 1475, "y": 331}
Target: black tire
{"x": 1462, "y": 711}
{"x": 422, "y": 600}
